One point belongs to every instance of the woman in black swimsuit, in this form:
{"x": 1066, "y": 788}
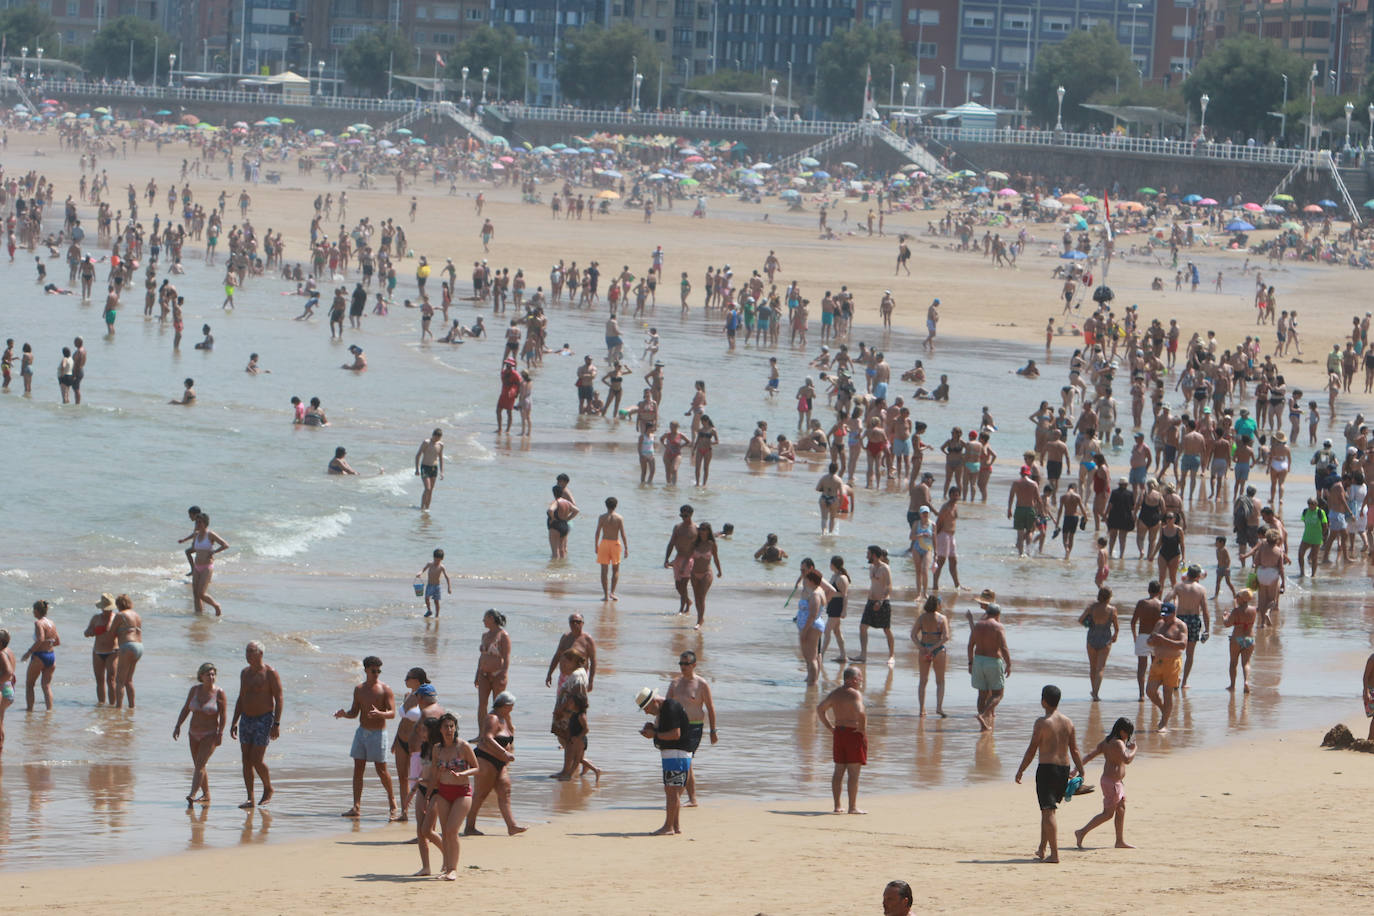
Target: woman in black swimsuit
{"x": 559, "y": 513}
{"x": 494, "y": 751}
{"x": 1147, "y": 520}
{"x": 1170, "y": 549}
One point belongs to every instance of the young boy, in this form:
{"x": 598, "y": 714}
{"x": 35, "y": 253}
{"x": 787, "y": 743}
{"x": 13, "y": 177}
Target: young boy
{"x": 1223, "y": 569}
{"x": 191, "y": 513}
{"x": 1103, "y": 570}
{"x": 610, "y": 537}
{"x": 770, "y": 552}
{"x": 435, "y": 570}
{"x": 773, "y": 378}
{"x": 1117, "y": 750}
{"x": 651, "y": 344}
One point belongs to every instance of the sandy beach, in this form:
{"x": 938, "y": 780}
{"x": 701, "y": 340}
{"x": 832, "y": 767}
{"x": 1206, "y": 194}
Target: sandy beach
{"x": 1266, "y": 820}
{"x": 1268, "y": 823}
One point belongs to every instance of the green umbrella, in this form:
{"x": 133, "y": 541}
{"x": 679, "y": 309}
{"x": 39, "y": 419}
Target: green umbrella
{"x": 689, "y": 182}
{"x": 1149, "y": 191}
{"x": 1283, "y": 198}
{"x": 1089, "y": 199}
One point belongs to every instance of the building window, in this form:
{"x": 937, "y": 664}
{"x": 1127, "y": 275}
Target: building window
{"x": 927, "y": 49}
{"x": 1056, "y": 25}
{"x": 978, "y": 19}
{"x": 1013, "y": 55}
{"x": 1318, "y": 29}
{"x": 977, "y": 52}
{"x": 1016, "y": 22}
{"x": 73, "y": 7}
{"x": 682, "y": 35}
{"x": 446, "y": 13}
{"x": 475, "y": 15}
{"x": 1184, "y": 33}
{"x": 1088, "y": 23}
{"x": 703, "y": 39}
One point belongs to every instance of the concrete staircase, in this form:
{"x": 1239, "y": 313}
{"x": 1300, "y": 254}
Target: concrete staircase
{"x": 1356, "y": 213}
{"x": 914, "y": 152}
{"x": 816, "y": 150}
{"x": 448, "y": 110}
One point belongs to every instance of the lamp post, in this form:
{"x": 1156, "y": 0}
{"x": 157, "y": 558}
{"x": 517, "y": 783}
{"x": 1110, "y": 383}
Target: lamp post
{"x": 171, "y": 65}
{"x": 773, "y": 98}
{"x": 1202, "y": 125}
{"x": 154, "y": 80}
{"x": 320, "y": 66}
{"x": 920, "y": 98}
{"x": 634, "y": 71}
{"x": 486, "y": 71}
{"x": 942, "y": 85}
{"x": 906, "y": 87}
{"x": 24, "y": 60}
{"x": 1283, "y": 112}
{"x": 1349, "y": 110}
{"x": 1370, "y": 144}
{"x": 789, "y": 89}
{"x": 40, "y": 63}
{"x": 463, "y": 95}
{"x": 1135, "y": 8}
{"x": 525, "y": 98}
{"x": 1311, "y": 110}
{"x": 992, "y": 90}
{"x": 1059, "y": 117}
{"x": 310, "y": 55}
{"x": 891, "y": 83}
{"x": 639, "y": 81}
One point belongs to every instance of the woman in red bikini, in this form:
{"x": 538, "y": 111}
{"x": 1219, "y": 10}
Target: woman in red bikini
{"x": 454, "y": 764}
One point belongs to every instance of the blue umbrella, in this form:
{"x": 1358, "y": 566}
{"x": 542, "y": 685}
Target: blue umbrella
{"x": 1327, "y": 203}
{"x": 822, "y": 174}
{"x": 1273, "y": 208}
{"x": 567, "y": 151}
{"x": 1074, "y": 255}
{"x": 752, "y": 180}
{"x": 611, "y": 173}
{"x": 1192, "y": 198}
{"x": 980, "y": 190}
{"x": 587, "y": 150}
{"x": 789, "y": 193}
{"x": 1239, "y": 225}
{"x": 608, "y": 152}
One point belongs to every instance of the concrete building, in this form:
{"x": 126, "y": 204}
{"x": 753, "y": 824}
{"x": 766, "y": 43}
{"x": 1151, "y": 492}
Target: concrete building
{"x": 543, "y": 22}
{"x": 1334, "y": 36}
{"x": 680, "y": 28}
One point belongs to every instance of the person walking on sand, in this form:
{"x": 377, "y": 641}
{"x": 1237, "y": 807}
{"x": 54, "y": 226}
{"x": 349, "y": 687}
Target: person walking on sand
{"x": 694, "y": 693}
{"x": 577, "y": 641}
{"x": 429, "y": 465}
{"x": 1117, "y": 750}
{"x": 989, "y": 663}
{"x": 1103, "y": 629}
{"x": 878, "y": 608}
{"x": 206, "y": 705}
{"x": 433, "y": 571}
{"x": 669, "y": 732}
{"x": 373, "y": 704}
{"x": 931, "y": 634}
{"x": 1241, "y": 619}
{"x": 1053, "y": 739}
{"x": 611, "y": 542}
{"x": 258, "y": 710}
{"x": 842, "y": 713}
{"x": 205, "y": 544}
{"x": 678, "y": 556}
{"x": 41, "y": 656}
{"x": 494, "y": 753}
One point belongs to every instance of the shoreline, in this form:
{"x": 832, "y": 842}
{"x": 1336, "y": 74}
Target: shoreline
{"x": 1233, "y": 803}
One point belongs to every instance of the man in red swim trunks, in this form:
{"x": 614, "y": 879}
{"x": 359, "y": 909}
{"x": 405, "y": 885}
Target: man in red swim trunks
{"x": 849, "y": 730}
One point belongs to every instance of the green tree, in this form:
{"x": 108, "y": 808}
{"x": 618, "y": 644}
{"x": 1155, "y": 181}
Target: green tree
{"x": 1086, "y": 64}
{"x": 109, "y": 55}
{"x": 28, "y": 27}
{"x": 845, "y": 58}
{"x": 501, "y": 51}
{"x": 1243, "y": 80}
{"x": 596, "y": 65}
{"x": 369, "y": 58}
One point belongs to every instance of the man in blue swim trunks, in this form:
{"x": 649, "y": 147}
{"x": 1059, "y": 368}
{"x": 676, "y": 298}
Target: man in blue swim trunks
{"x": 257, "y": 719}
{"x": 989, "y": 663}
{"x": 373, "y": 704}
{"x": 670, "y": 732}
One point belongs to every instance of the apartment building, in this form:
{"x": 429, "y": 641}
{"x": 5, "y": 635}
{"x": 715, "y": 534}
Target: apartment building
{"x": 1333, "y": 36}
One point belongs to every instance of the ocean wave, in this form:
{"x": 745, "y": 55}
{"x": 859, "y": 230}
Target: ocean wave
{"x": 393, "y": 482}
{"x": 285, "y": 537}
{"x": 19, "y": 574}
{"x": 120, "y": 572}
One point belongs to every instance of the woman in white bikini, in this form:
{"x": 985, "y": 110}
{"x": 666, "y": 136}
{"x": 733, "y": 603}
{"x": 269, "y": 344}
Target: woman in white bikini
{"x": 493, "y": 661}
{"x": 204, "y": 545}
{"x": 128, "y": 629}
{"x": 1280, "y": 460}
{"x": 930, "y": 633}
{"x": 206, "y": 706}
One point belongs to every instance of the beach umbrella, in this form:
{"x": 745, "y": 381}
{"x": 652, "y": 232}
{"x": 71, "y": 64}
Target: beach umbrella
{"x": 1080, "y": 208}
{"x": 84, "y": 116}
{"x": 607, "y": 194}
{"x": 1311, "y": 208}
{"x": 1070, "y": 199}
{"x": 315, "y": 133}
{"x": 587, "y": 151}
{"x": 790, "y": 194}
{"x": 1369, "y": 204}
{"x": 981, "y": 189}
{"x": 354, "y": 142}
{"x": 260, "y": 124}
{"x": 688, "y": 182}
{"x": 507, "y": 159}
{"x": 1290, "y": 225}
{"x": 499, "y": 141}
{"x": 498, "y": 166}
{"x": 542, "y": 150}
{"x": 910, "y": 166}
{"x": 55, "y": 102}
{"x": 567, "y": 151}
{"x": 821, "y": 174}
{"x": 1074, "y": 255}
{"x": 1238, "y": 225}
{"x": 1207, "y": 202}
{"x": 106, "y": 117}
{"x": 999, "y": 176}
{"x": 101, "y": 110}
{"x": 1151, "y": 192}
{"x": 808, "y": 161}
{"x": 693, "y": 159}
{"x": 1252, "y": 207}
{"x": 611, "y": 173}
{"x": 1134, "y": 206}
{"x": 752, "y": 180}
{"x": 391, "y": 152}
{"x": 559, "y": 146}
{"x": 901, "y": 183}
{"x": 1320, "y": 203}
{"x": 657, "y": 177}
{"x": 243, "y": 124}
{"x": 704, "y": 167}
{"x": 761, "y": 166}
{"x": 1284, "y": 198}
{"x": 799, "y": 181}
{"x": 1050, "y": 203}
{"x": 688, "y": 151}
{"x": 417, "y": 141}
{"x": 385, "y": 144}
{"x": 608, "y": 152}
{"x": 850, "y": 165}
{"x": 288, "y": 120}
{"x": 68, "y": 114}
{"x": 328, "y": 144}
{"x": 1090, "y": 199}
{"x": 1008, "y": 192}
{"x": 1192, "y": 198}
{"x": 161, "y": 114}
{"x": 1273, "y": 208}
{"x": 272, "y": 119}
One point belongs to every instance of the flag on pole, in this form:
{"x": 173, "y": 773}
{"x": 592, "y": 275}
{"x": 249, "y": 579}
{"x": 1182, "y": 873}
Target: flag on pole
{"x": 1107, "y": 207}
{"x": 869, "y": 109}
{"x": 439, "y": 61}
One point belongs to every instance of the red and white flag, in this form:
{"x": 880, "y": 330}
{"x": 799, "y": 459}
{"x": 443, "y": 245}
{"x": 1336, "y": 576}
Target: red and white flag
{"x": 1107, "y": 208}
{"x": 869, "y": 109}
{"x": 439, "y": 61}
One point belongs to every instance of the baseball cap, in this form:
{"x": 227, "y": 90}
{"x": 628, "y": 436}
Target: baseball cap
{"x": 1167, "y": 608}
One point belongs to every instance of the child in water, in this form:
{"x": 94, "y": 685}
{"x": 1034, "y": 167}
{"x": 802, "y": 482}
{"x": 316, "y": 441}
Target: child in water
{"x": 770, "y": 552}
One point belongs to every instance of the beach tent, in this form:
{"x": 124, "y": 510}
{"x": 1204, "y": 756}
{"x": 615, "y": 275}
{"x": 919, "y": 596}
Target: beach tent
{"x": 295, "y": 89}
{"x": 970, "y": 114}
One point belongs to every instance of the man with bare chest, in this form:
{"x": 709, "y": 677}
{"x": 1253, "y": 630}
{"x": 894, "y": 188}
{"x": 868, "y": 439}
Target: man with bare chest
{"x": 257, "y": 719}
{"x": 373, "y": 705}
{"x": 694, "y": 693}
{"x": 681, "y": 542}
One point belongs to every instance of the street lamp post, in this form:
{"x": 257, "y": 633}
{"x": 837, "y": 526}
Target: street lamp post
{"x": 1349, "y": 110}
{"x": 906, "y": 87}
{"x": 942, "y": 85}
{"x": 639, "y": 81}
{"x": 463, "y": 95}
{"x": 1202, "y": 125}
{"x": 40, "y": 63}
{"x": 154, "y": 80}
{"x": 1370, "y": 144}
{"x": 24, "y": 60}
{"x": 891, "y": 83}
{"x": 1283, "y": 112}
{"x": 486, "y": 71}
{"x": 773, "y": 98}
{"x": 1135, "y": 8}
{"x": 1059, "y": 117}
{"x": 992, "y": 90}
{"x": 171, "y": 65}
{"x": 320, "y": 65}
{"x": 789, "y": 89}
{"x": 1311, "y": 110}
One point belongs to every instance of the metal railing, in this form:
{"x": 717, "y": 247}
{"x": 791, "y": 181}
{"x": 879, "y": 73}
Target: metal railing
{"x": 1207, "y": 149}
{"x": 914, "y": 151}
{"x": 669, "y": 120}
{"x": 123, "y": 90}
{"x": 848, "y": 135}
{"x": 1330, "y": 162}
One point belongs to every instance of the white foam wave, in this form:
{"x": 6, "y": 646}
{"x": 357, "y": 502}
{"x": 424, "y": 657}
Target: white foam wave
{"x": 286, "y": 537}
{"x": 20, "y": 574}
{"x": 392, "y": 483}
{"x": 120, "y": 572}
